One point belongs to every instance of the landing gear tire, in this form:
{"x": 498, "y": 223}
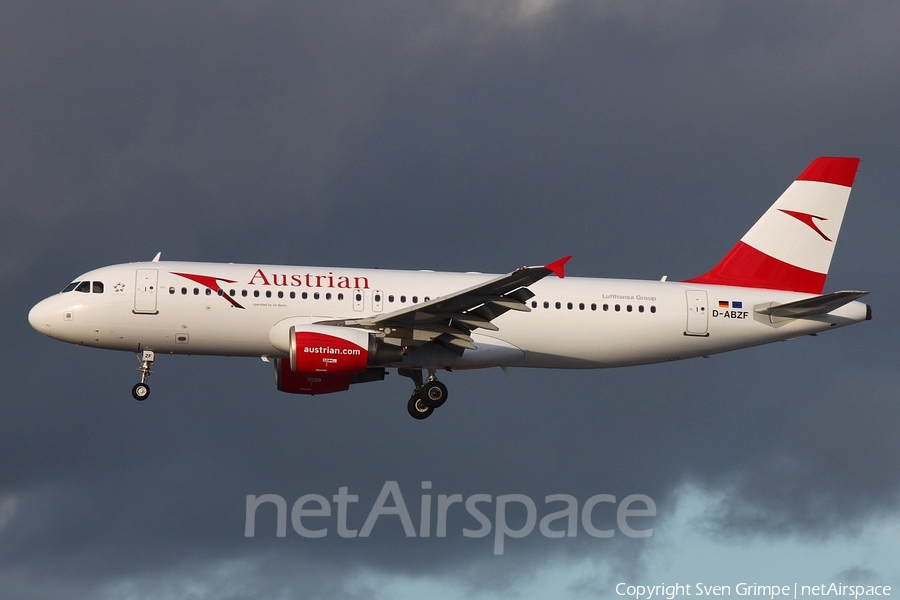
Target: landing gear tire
{"x": 418, "y": 409}
{"x": 140, "y": 391}
{"x": 434, "y": 393}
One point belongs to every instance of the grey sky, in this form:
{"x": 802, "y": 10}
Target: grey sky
{"x": 642, "y": 137}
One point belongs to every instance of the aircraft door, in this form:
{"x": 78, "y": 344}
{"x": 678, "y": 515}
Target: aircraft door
{"x": 145, "y": 286}
{"x": 697, "y": 313}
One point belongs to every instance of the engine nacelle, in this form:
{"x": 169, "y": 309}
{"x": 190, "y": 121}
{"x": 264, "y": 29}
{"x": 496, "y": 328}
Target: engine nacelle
{"x": 325, "y": 359}
{"x": 325, "y": 350}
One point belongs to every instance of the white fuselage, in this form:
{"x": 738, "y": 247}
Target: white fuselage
{"x": 573, "y": 323}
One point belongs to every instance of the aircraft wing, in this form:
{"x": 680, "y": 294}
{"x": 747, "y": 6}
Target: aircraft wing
{"x": 448, "y": 320}
{"x": 812, "y": 307}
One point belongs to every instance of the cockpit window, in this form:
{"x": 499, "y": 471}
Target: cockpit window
{"x": 84, "y": 287}
{"x": 98, "y": 287}
{"x": 70, "y": 287}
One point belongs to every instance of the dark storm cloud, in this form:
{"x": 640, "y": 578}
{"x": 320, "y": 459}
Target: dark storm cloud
{"x": 809, "y": 479}
{"x": 455, "y": 136}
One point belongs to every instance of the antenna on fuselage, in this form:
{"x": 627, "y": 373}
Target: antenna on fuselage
{"x": 156, "y": 258}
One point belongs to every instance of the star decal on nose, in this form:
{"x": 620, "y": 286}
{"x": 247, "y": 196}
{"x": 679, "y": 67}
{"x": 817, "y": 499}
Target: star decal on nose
{"x": 119, "y": 287}
{"x": 807, "y": 219}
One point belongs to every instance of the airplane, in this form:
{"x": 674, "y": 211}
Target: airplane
{"x": 325, "y": 329}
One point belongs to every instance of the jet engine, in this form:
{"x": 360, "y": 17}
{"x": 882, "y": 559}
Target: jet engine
{"x": 325, "y": 359}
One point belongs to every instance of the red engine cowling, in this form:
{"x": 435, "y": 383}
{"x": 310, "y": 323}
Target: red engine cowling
{"x": 294, "y": 383}
{"x": 325, "y": 359}
{"x": 322, "y": 350}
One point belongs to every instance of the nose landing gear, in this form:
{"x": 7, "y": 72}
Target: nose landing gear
{"x": 427, "y": 396}
{"x": 141, "y": 390}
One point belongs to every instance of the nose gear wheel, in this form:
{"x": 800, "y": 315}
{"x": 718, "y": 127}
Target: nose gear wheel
{"x": 141, "y": 390}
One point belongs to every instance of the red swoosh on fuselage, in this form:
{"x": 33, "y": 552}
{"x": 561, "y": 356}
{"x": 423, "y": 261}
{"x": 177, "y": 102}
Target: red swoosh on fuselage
{"x": 211, "y": 283}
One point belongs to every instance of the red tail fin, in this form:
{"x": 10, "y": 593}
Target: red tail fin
{"x": 791, "y": 246}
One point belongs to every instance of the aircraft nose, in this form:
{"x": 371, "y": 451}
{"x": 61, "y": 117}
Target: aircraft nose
{"x": 39, "y": 317}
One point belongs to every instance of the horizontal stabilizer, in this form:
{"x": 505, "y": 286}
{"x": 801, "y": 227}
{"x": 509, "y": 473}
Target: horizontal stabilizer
{"x": 812, "y": 307}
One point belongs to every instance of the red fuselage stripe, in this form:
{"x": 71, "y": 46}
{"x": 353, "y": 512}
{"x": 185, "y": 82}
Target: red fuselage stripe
{"x": 745, "y": 266}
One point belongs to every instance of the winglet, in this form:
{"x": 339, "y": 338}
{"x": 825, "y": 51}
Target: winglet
{"x": 557, "y": 267}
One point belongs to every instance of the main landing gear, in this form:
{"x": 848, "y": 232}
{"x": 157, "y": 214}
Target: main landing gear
{"x": 427, "y": 396}
{"x": 141, "y": 390}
